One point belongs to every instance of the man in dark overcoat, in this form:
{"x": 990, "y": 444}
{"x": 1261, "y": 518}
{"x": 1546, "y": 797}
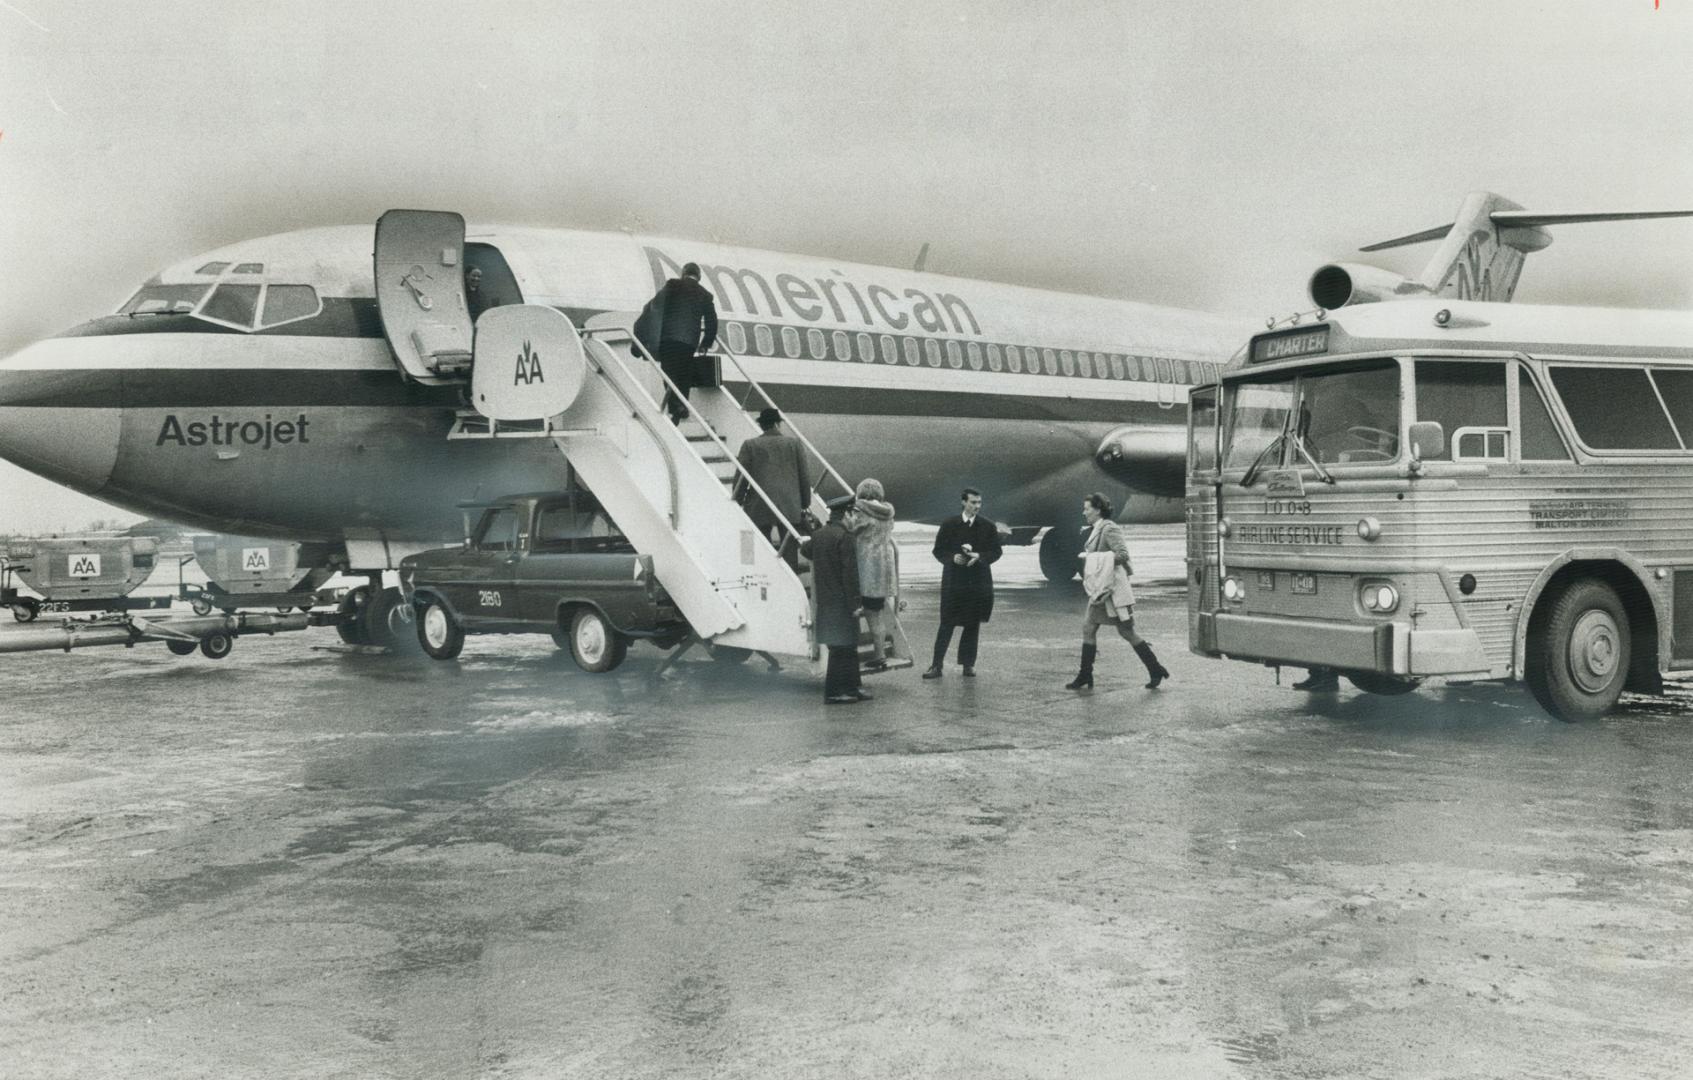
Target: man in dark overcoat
{"x": 777, "y": 461}
{"x": 834, "y": 585}
{"x": 679, "y": 321}
{"x": 966, "y": 546}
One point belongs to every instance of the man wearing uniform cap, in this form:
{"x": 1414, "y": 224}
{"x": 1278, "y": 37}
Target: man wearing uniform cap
{"x": 778, "y": 464}
{"x": 834, "y": 585}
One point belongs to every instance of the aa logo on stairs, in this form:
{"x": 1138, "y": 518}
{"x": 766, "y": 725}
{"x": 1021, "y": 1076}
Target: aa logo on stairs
{"x": 528, "y": 367}
{"x": 255, "y": 559}
{"x": 84, "y": 564}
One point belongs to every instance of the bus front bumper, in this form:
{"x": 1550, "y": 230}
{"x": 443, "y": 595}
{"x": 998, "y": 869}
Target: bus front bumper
{"x": 1388, "y": 648}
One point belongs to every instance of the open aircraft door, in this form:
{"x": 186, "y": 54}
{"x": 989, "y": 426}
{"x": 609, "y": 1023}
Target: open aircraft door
{"x": 420, "y": 293}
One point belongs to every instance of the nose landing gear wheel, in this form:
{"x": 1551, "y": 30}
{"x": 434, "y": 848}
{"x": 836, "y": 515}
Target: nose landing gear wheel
{"x": 351, "y": 608}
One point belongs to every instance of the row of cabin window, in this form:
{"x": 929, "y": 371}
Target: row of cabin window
{"x": 889, "y": 349}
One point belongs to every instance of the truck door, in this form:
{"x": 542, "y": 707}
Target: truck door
{"x": 486, "y": 592}
{"x": 420, "y": 292}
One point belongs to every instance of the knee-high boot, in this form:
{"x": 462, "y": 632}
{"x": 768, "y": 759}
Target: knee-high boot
{"x": 1084, "y": 677}
{"x": 1155, "y": 671}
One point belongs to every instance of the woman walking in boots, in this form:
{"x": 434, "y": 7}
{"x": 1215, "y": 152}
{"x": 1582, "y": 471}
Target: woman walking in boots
{"x": 1105, "y": 574}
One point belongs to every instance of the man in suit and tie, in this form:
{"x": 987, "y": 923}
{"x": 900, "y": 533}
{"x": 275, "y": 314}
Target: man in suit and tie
{"x": 777, "y": 462}
{"x": 966, "y": 547}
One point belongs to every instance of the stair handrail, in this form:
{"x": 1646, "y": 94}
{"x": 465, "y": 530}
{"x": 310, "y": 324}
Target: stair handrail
{"x": 597, "y": 332}
{"x": 734, "y": 358}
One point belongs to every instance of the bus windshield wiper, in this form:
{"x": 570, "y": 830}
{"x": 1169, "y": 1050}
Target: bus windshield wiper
{"x": 1258, "y": 462}
{"x": 1303, "y": 451}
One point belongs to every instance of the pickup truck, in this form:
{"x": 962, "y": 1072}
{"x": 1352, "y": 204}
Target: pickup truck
{"x": 550, "y": 563}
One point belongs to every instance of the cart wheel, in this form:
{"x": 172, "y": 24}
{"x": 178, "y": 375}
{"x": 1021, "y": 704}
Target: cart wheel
{"x": 201, "y": 606}
{"x": 216, "y": 646}
{"x": 182, "y": 648}
{"x": 25, "y": 610}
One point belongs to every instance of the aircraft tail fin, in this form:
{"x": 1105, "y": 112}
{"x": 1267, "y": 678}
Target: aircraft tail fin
{"x": 1480, "y": 256}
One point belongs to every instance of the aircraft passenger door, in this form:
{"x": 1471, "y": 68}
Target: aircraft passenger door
{"x": 420, "y": 293}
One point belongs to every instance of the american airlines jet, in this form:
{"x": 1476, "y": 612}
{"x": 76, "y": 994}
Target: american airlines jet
{"x": 253, "y": 389}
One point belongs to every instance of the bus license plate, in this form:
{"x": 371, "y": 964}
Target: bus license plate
{"x": 1305, "y": 584}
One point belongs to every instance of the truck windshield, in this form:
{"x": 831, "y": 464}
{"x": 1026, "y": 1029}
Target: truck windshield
{"x": 1330, "y": 417}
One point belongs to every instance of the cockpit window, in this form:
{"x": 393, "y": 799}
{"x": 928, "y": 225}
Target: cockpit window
{"x": 213, "y": 268}
{"x": 232, "y": 305}
{"x": 285, "y": 303}
{"x": 250, "y": 268}
{"x": 164, "y": 300}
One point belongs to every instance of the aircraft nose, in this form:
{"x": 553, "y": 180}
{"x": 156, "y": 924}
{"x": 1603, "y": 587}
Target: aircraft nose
{"x": 60, "y": 423}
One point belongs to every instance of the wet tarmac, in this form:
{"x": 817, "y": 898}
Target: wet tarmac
{"x": 304, "y": 861}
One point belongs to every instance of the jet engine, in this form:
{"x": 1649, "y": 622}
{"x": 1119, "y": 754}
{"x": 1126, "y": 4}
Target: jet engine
{"x": 1339, "y": 284}
{"x": 1150, "y": 460}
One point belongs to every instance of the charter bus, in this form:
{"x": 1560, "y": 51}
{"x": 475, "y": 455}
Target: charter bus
{"x": 1463, "y": 491}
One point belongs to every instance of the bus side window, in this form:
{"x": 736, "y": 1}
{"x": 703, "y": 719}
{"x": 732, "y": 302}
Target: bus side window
{"x": 1614, "y": 408}
{"x": 1540, "y": 438}
{"x": 1461, "y": 394}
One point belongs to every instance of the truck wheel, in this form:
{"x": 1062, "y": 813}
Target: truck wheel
{"x": 1374, "y": 682}
{"x": 594, "y": 644}
{"x": 437, "y": 631}
{"x": 25, "y": 610}
{"x": 1059, "y": 549}
{"x": 216, "y": 646}
{"x": 182, "y": 648}
{"x": 1578, "y": 656}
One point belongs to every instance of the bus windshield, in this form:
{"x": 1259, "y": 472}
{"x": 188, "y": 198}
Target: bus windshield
{"x": 1345, "y": 417}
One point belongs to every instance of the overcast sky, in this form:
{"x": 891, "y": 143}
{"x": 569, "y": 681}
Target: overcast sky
{"x": 1207, "y": 155}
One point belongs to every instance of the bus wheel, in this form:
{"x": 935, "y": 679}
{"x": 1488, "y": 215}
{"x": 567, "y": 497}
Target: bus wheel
{"x": 1059, "y": 549}
{"x": 216, "y": 646}
{"x": 1578, "y": 656}
{"x": 1374, "y": 682}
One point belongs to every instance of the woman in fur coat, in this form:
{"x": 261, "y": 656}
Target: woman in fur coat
{"x": 878, "y": 570}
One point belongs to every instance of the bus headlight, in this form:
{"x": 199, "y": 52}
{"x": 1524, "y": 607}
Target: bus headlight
{"x": 1380, "y": 598}
{"x": 1233, "y": 590}
{"x": 1368, "y": 528}
{"x": 1223, "y": 527}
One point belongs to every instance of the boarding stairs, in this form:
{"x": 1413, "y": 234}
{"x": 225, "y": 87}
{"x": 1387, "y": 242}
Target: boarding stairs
{"x": 596, "y": 395}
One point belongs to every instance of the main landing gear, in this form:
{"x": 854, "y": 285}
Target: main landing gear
{"x": 374, "y": 615}
{"x": 1060, "y": 549}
